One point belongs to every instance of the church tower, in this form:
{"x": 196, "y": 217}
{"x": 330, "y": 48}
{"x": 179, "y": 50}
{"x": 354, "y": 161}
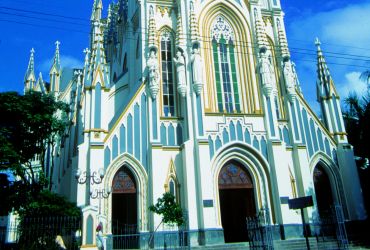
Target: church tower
{"x": 329, "y": 99}
{"x": 55, "y": 71}
{"x": 30, "y": 78}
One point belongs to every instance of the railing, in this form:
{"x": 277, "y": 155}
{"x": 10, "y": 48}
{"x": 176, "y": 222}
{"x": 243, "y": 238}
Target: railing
{"x": 159, "y": 240}
{"x": 330, "y": 227}
{"x": 260, "y": 231}
{"x": 43, "y": 233}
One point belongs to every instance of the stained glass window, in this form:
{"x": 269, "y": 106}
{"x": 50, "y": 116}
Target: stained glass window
{"x": 227, "y": 87}
{"x": 233, "y": 176}
{"x": 168, "y": 89}
{"x": 123, "y": 182}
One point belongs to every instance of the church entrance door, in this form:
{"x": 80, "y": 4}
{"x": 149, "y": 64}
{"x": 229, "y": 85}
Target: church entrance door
{"x": 124, "y": 203}
{"x": 237, "y": 201}
{"x": 323, "y": 191}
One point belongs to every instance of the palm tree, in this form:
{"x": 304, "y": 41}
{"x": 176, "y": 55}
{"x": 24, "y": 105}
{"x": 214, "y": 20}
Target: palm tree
{"x": 365, "y": 76}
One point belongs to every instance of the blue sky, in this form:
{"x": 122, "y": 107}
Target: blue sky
{"x": 342, "y": 25}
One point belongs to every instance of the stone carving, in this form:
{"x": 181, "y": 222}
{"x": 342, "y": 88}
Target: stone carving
{"x": 289, "y": 80}
{"x": 180, "y": 69}
{"x": 267, "y": 74}
{"x": 153, "y": 71}
{"x": 197, "y": 67}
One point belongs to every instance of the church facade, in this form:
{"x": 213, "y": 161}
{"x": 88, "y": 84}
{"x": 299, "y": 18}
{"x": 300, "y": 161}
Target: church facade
{"x": 198, "y": 98}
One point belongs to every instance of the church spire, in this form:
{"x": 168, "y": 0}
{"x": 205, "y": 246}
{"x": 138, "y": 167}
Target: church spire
{"x": 328, "y": 98}
{"x": 97, "y": 10}
{"x": 29, "y": 78}
{"x": 56, "y": 62}
{"x": 283, "y": 42}
{"x": 325, "y": 83}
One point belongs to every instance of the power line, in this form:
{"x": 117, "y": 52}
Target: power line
{"x": 40, "y": 18}
{"x": 43, "y": 13}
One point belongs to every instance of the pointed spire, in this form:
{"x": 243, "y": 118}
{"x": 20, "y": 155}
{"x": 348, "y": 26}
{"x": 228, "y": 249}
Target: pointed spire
{"x": 56, "y": 62}
{"x": 325, "y": 82}
{"x": 152, "y": 29}
{"x": 194, "y": 30}
{"x": 40, "y": 84}
{"x": 29, "y": 78}
{"x": 283, "y": 42}
{"x": 97, "y": 10}
{"x": 260, "y": 31}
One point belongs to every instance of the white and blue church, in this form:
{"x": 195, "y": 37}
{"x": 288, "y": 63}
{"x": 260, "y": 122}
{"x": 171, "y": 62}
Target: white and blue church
{"x": 198, "y": 98}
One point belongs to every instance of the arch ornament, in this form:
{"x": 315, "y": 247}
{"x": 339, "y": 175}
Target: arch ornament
{"x": 254, "y": 164}
{"x": 333, "y": 173}
{"x": 141, "y": 179}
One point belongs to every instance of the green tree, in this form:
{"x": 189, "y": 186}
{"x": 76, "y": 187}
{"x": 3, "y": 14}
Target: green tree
{"x": 29, "y": 124}
{"x": 170, "y": 211}
{"x": 357, "y": 122}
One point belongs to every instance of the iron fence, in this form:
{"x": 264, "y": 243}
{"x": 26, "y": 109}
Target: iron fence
{"x": 149, "y": 240}
{"x": 42, "y": 233}
{"x": 329, "y": 226}
{"x": 260, "y": 231}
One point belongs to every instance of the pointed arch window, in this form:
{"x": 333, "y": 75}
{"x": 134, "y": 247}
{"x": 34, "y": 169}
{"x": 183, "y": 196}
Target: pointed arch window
{"x": 223, "y": 48}
{"x": 168, "y": 83}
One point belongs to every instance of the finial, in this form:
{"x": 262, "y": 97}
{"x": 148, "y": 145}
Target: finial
{"x": 32, "y": 51}
{"x": 317, "y": 42}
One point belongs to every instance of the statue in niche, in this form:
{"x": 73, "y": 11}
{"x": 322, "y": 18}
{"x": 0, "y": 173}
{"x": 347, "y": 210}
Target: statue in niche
{"x": 197, "y": 67}
{"x": 267, "y": 73}
{"x": 180, "y": 69}
{"x": 153, "y": 71}
{"x": 289, "y": 79}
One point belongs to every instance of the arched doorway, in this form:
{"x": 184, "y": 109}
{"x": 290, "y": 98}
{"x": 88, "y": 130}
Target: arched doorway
{"x": 323, "y": 191}
{"x": 124, "y": 203}
{"x": 237, "y": 201}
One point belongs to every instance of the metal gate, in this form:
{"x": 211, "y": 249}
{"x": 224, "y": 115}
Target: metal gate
{"x": 260, "y": 231}
{"x": 330, "y": 227}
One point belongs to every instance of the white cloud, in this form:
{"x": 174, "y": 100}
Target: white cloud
{"x": 343, "y": 31}
{"x": 352, "y": 83}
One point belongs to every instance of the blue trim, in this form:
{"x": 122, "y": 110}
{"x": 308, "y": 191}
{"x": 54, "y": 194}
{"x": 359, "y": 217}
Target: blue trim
{"x": 300, "y": 121}
{"x": 137, "y": 131}
{"x": 271, "y": 120}
{"x": 337, "y": 116}
{"x": 163, "y": 135}
{"x": 122, "y": 139}
{"x": 199, "y": 113}
{"x": 144, "y": 131}
{"x": 130, "y": 140}
{"x": 327, "y": 147}
{"x": 239, "y": 131}
{"x": 286, "y": 136}
{"x": 295, "y": 125}
{"x": 281, "y": 134}
{"x": 307, "y": 132}
{"x": 218, "y": 143}
{"x": 155, "y": 124}
{"x": 232, "y": 131}
{"x": 179, "y": 136}
{"x": 314, "y": 137}
{"x": 320, "y": 139}
{"x": 114, "y": 147}
{"x": 225, "y": 136}
{"x": 90, "y": 230}
{"x": 264, "y": 148}
{"x": 106, "y": 157}
{"x": 334, "y": 155}
{"x": 211, "y": 147}
{"x": 171, "y": 135}
{"x": 97, "y": 112}
{"x": 247, "y": 136}
{"x": 256, "y": 143}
